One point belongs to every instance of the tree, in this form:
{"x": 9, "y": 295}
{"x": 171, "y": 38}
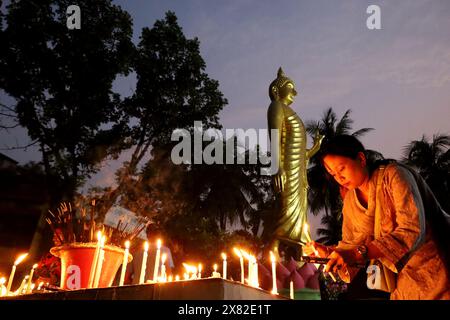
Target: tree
{"x": 432, "y": 160}
{"x": 62, "y": 80}
{"x": 324, "y": 193}
{"x": 172, "y": 92}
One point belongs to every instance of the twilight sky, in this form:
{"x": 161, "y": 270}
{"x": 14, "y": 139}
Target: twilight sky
{"x": 396, "y": 80}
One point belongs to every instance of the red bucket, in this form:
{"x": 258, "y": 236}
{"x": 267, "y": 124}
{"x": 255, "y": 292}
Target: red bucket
{"x": 76, "y": 262}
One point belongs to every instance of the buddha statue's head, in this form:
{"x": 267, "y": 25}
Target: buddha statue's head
{"x": 282, "y": 89}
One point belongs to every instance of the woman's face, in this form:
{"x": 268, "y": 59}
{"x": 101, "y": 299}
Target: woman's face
{"x": 349, "y": 173}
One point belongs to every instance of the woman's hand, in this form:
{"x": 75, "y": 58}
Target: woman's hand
{"x": 316, "y": 249}
{"x": 342, "y": 258}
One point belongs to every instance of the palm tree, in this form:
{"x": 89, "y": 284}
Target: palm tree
{"x": 324, "y": 193}
{"x": 432, "y": 160}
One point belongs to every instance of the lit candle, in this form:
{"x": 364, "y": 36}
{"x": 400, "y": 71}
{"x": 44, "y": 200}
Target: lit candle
{"x": 144, "y": 264}
{"x": 22, "y": 285}
{"x": 274, "y": 273}
{"x": 40, "y": 285}
{"x": 255, "y": 273}
{"x": 158, "y": 253}
{"x": 291, "y": 289}
{"x": 2, "y": 287}
{"x": 170, "y": 278}
{"x": 250, "y": 267}
{"x": 101, "y": 258}
{"x": 241, "y": 259}
{"x": 199, "y": 270}
{"x": 95, "y": 259}
{"x": 13, "y": 271}
{"x": 177, "y": 278}
{"x": 194, "y": 273}
{"x": 124, "y": 263}
{"x": 31, "y": 278}
{"x": 215, "y": 274}
{"x": 224, "y": 265}
{"x": 163, "y": 266}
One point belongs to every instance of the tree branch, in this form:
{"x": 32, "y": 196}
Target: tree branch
{"x": 21, "y": 147}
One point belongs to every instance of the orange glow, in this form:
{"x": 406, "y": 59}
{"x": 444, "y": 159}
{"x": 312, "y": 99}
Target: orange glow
{"x": 20, "y": 259}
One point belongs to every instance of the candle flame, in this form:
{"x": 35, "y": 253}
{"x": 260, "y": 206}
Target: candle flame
{"x": 215, "y": 267}
{"x": 238, "y": 252}
{"x": 146, "y": 246}
{"x": 272, "y": 257}
{"x": 246, "y": 255}
{"x": 189, "y": 268}
{"x": 224, "y": 256}
{"x": 99, "y": 236}
{"x": 127, "y": 244}
{"x": 170, "y": 278}
{"x": 163, "y": 258}
{"x": 20, "y": 259}
{"x": 158, "y": 244}
{"x": 35, "y": 266}
{"x": 199, "y": 267}
{"x": 177, "y": 278}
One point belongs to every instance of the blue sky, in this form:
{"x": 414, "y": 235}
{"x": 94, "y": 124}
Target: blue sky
{"x": 396, "y": 80}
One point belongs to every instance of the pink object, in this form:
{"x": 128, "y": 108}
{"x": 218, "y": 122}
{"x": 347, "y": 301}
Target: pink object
{"x": 313, "y": 282}
{"x": 282, "y": 272}
{"x": 265, "y": 277}
{"x": 307, "y": 271}
{"x": 292, "y": 265}
{"x": 297, "y": 279}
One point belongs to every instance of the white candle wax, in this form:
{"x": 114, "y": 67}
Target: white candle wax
{"x": 13, "y": 271}
{"x": 31, "y": 278}
{"x": 22, "y": 285}
{"x": 215, "y": 274}
{"x": 274, "y": 273}
{"x": 11, "y": 277}
{"x": 2, "y": 287}
{"x": 291, "y": 289}
{"x": 224, "y": 265}
{"x": 124, "y": 263}
{"x": 256, "y": 273}
{"x": 95, "y": 260}
{"x": 158, "y": 253}
{"x": 101, "y": 258}
{"x": 163, "y": 267}
{"x": 144, "y": 264}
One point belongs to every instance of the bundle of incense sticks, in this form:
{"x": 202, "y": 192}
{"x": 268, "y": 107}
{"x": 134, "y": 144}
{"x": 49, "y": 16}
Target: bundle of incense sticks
{"x": 71, "y": 226}
{"x": 318, "y": 260}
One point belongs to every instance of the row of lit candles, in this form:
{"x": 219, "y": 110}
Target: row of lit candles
{"x": 26, "y": 285}
{"x": 191, "y": 273}
{"x": 158, "y": 275}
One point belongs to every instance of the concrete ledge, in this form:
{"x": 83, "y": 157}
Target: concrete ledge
{"x": 202, "y": 289}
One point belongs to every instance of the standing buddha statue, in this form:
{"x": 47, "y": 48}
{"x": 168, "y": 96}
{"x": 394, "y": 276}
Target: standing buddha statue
{"x": 291, "y": 179}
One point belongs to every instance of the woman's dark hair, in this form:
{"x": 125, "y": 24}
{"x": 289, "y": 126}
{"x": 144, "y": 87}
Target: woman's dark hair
{"x": 349, "y": 146}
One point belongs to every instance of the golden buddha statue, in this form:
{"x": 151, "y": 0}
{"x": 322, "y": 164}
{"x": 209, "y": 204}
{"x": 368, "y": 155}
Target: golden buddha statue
{"x": 291, "y": 179}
